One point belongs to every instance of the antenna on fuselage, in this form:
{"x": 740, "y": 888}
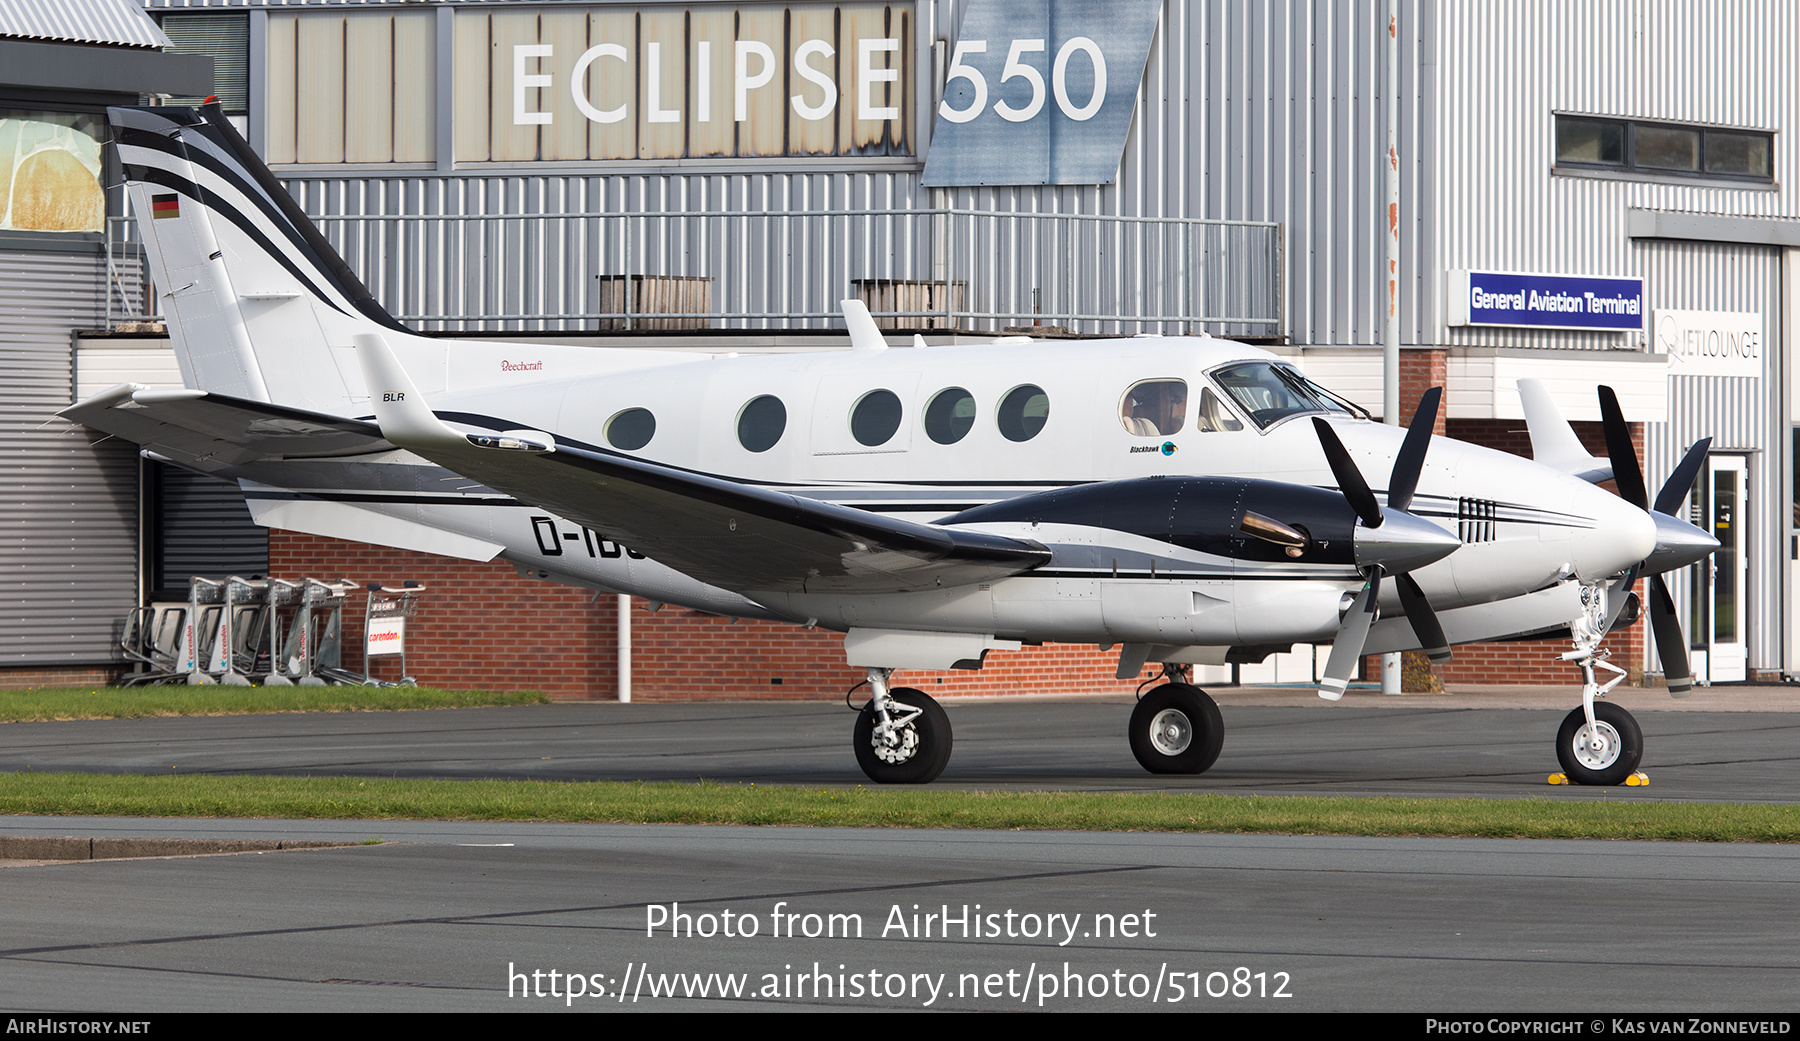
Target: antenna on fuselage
{"x": 865, "y": 335}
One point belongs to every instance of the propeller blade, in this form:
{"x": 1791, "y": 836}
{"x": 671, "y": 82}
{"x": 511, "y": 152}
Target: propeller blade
{"x": 1671, "y": 645}
{"x": 1424, "y": 620}
{"x": 1627, "y": 475}
{"x": 1411, "y": 460}
{"x": 1347, "y": 647}
{"x": 1676, "y": 488}
{"x": 1349, "y": 478}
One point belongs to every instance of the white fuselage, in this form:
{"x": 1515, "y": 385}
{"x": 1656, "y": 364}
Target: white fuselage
{"x": 1524, "y": 526}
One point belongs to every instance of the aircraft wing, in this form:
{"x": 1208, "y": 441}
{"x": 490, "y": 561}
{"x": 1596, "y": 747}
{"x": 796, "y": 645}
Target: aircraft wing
{"x": 735, "y": 536}
{"x": 213, "y": 432}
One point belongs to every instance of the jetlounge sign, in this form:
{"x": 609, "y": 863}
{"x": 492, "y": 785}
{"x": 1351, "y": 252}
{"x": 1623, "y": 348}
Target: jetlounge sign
{"x": 1710, "y": 343}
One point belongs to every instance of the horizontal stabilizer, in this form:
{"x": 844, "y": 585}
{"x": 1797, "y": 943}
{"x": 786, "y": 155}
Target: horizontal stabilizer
{"x": 214, "y": 432}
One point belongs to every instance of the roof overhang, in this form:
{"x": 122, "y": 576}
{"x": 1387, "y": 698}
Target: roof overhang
{"x": 95, "y": 69}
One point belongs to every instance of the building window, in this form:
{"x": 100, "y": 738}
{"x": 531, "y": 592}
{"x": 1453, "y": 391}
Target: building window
{"x": 223, "y": 36}
{"x": 1664, "y": 149}
{"x": 50, "y": 165}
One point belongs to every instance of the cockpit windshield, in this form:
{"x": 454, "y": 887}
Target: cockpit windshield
{"x": 1269, "y": 393}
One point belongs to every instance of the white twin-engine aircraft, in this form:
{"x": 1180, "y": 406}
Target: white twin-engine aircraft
{"x": 1188, "y": 500}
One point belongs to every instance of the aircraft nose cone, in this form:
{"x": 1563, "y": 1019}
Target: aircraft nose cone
{"x": 1403, "y": 542}
{"x": 1622, "y": 537}
{"x": 1678, "y": 544}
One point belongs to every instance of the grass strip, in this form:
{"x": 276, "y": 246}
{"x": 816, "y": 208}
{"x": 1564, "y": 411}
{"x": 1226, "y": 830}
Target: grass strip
{"x": 351, "y": 798}
{"x": 51, "y": 703}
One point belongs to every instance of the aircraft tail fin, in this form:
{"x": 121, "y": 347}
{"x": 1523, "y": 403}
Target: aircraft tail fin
{"x": 1553, "y": 441}
{"x": 254, "y": 295}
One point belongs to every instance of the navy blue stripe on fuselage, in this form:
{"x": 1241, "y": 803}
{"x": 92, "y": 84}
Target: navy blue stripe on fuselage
{"x": 1167, "y": 574}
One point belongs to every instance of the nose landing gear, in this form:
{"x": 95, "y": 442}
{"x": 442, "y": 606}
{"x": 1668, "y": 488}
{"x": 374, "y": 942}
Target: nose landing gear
{"x": 1598, "y": 743}
{"x": 1605, "y": 751}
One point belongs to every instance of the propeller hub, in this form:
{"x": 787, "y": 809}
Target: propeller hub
{"x": 1403, "y": 542}
{"x": 1678, "y": 544}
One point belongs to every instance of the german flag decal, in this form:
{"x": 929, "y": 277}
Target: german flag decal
{"x": 165, "y": 206}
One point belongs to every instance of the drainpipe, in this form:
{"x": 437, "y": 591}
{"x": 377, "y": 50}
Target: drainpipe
{"x": 1390, "y": 345}
{"x": 624, "y": 649}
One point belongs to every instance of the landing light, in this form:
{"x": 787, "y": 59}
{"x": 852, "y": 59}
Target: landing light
{"x": 515, "y": 441}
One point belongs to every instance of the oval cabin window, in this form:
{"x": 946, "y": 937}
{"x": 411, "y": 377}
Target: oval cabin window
{"x": 631, "y": 429}
{"x": 1023, "y": 412}
{"x": 875, "y": 418}
{"x": 950, "y": 416}
{"x": 762, "y": 423}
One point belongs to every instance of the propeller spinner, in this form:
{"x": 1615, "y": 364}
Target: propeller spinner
{"x": 1388, "y": 541}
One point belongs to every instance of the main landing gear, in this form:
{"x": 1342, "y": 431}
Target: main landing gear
{"x": 902, "y": 734}
{"x": 1598, "y": 743}
{"x": 1176, "y": 728}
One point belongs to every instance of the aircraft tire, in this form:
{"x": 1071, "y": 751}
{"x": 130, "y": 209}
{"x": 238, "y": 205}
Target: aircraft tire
{"x": 1622, "y": 746}
{"x": 925, "y": 747}
{"x": 1177, "y": 729}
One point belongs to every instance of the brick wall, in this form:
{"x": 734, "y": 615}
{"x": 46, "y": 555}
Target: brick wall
{"x": 482, "y": 626}
{"x": 1419, "y": 372}
{"x": 26, "y": 677}
{"x": 479, "y": 626}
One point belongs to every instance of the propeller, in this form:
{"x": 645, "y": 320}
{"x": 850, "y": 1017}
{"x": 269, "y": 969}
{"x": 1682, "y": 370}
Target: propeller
{"x": 1678, "y": 543}
{"x": 1389, "y": 541}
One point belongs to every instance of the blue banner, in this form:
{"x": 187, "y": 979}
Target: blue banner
{"x": 1548, "y": 301}
{"x": 1040, "y": 92}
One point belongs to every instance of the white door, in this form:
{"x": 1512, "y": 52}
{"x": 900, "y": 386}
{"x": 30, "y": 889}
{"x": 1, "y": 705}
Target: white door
{"x": 1716, "y": 614}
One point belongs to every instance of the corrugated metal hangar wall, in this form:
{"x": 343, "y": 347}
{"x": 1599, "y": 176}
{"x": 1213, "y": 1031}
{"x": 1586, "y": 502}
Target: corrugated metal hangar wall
{"x": 472, "y": 189}
{"x": 69, "y": 541}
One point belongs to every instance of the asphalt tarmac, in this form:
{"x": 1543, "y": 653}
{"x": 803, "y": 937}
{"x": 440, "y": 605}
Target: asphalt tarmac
{"x": 476, "y": 916}
{"x": 1725, "y": 746}
{"x": 473, "y": 917}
